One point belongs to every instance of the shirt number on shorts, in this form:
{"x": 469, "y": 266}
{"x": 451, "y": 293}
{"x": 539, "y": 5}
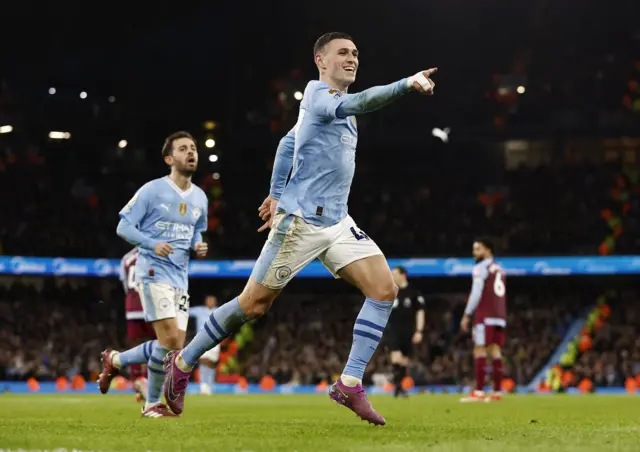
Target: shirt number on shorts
{"x": 498, "y": 285}
{"x": 183, "y": 303}
{"x": 359, "y": 235}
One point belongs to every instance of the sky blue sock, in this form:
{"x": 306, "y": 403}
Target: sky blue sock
{"x": 137, "y": 355}
{"x": 225, "y": 320}
{"x": 367, "y": 333}
{"x": 204, "y": 374}
{"x": 155, "y": 372}
{"x": 207, "y": 375}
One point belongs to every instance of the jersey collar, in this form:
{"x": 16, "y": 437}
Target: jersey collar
{"x": 183, "y": 193}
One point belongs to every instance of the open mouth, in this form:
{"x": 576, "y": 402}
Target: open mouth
{"x": 351, "y": 69}
{"x": 191, "y": 160}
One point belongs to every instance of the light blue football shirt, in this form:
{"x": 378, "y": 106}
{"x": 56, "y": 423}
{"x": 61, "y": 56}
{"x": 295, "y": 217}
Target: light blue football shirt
{"x": 325, "y": 139}
{"x": 162, "y": 212}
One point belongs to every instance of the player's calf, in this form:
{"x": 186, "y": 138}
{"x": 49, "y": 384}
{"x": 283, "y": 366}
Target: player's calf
{"x": 169, "y": 337}
{"x": 496, "y": 370}
{"x": 399, "y": 363}
{"x": 224, "y": 321}
{"x": 480, "y": 366}
{"x": 113, "y": 361}
{"x": 373, "y": 277}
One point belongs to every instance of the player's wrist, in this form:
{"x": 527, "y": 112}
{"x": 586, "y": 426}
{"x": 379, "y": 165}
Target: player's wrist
{"x": 407, "y": 84}
{"x": 150, "y": 244}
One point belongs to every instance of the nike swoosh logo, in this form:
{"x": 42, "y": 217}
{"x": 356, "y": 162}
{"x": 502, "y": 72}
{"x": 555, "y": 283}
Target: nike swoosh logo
{"x": 164, "y": 207}
{"x": 171, "y": 395}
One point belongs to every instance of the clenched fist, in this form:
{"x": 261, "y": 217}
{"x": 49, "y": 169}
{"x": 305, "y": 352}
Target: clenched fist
{"x": 201, "y": 249}
{"x": 163, "y": 249}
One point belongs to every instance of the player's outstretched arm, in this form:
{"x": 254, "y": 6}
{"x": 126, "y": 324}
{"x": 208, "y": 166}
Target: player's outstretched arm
{"x": 282, "y": 165}
{"x": 331, "y": 103}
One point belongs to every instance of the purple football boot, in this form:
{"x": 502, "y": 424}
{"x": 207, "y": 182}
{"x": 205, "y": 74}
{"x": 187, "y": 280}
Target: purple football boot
{"x": 175, "y": 382}
{"x": 356, "y": 400}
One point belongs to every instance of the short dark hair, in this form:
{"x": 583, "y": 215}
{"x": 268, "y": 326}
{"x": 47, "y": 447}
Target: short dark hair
{"x": 488, "y": 244}
{"x": 167, "y": 147}
{"x": 327, "y": 38}
{"x": 403, "y": 271}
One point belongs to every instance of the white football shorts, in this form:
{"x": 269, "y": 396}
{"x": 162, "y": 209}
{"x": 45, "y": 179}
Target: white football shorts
{"x": 213, "y": 354}
{"x": 293, "y": 243}
{"x": 161, "y": 301}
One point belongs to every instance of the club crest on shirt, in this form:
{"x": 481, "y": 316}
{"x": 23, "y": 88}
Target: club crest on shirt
{"x": 183, "y": 209}
{"x": 336, "y": 93}
{"x": 196, "y": 212}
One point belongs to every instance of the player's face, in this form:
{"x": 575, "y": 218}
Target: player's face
{"x": 211, "y": 301}
{"x": 185, "y": 156}
{"x": 398, "y": 277}
{"x": 340, "y": 61}
{"x": 479, "y": 251}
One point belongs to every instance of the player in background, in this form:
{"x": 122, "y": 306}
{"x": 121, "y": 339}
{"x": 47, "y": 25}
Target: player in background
{"x": 209, "y": 360}
{"x": 487, "y": 305}
{"x": 138, "y": 331}
{"x": 405, "y": 327}
{"x": 312, "y": 221}
{"x": 165, "y": 219}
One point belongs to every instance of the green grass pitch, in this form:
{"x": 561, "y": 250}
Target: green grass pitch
{"x": 314, "y": 423}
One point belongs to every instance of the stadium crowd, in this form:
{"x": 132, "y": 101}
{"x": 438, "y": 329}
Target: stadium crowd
{"x": 614, "y": 354}
{"x": 58, "y": 327}
{"x": 52, "y": 328}
{"x": 523, "y": 215}
{"x": 305, "y": 340}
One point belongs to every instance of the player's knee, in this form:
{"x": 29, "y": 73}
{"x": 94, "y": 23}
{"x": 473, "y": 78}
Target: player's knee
{"x": 256, "y": 299}
{"x": 479, "y": 351}
{"x": 170, "y": 341}
{"x": 494, "y": 351}
{"x": 384, "y": 291}
{"x": 257, "y": 307}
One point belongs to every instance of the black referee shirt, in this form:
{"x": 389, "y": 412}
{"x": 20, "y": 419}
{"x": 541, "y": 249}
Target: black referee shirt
{"x": 403, "y": 314}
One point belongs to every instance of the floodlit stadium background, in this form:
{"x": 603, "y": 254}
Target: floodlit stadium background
{"x": 531, "y": 139}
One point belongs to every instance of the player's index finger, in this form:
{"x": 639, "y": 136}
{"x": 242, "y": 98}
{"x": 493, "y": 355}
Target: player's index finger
{"x": 428, "y": 72}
